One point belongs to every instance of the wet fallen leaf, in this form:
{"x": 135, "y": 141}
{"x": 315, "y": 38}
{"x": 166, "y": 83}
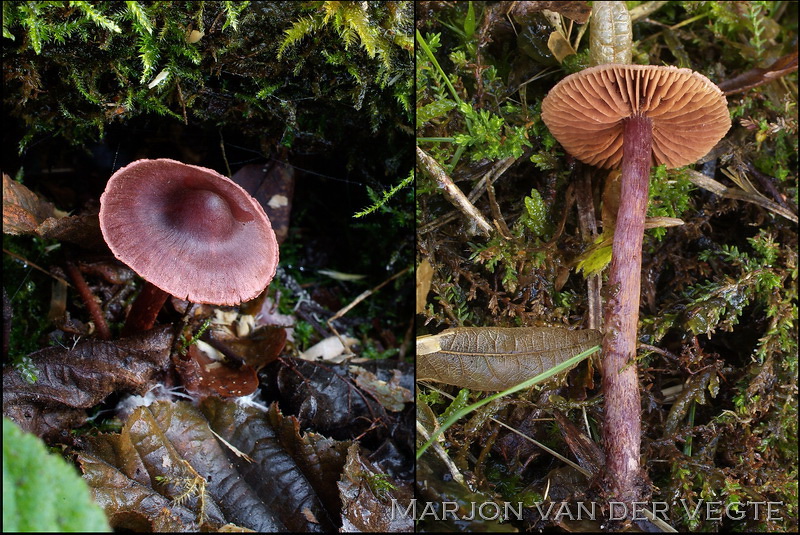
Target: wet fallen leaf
{"x": 371, "y": 499}
{"x": 325, "y": 399}
{"x": 23, "y": 211}
{"x": 204, "y": 373}
{"x": 257, "y": 349}
{"x": 272, "y": 185}
{"x": 174, "y": 466}
{"x": 318, "y": 456}
{"x": 72, "y": 380}
{"x": 496, "y": 358}
{"x": 390, "y": 394}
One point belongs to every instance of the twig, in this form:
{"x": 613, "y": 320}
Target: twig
{"x": 456, "y": 196}
{"x": 89, "y": 301}
{"x": 588, "y": 226}
{"x": 34, "y": 266}
{"x": 499, "y": 221}
{"x": 490, "y": 177}
{"x": 356, "y": 301}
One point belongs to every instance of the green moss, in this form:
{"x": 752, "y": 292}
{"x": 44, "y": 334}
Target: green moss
{"x": 78, "y": 67}
{"x": 29, "y": 292}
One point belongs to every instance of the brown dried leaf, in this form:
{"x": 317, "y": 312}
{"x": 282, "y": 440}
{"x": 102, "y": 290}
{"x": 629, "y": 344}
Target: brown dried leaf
{"x": 496, "y": 358}
{"x": 23, "y": 211}
{"x": 372, "y": 499}
{"x": 755, "y": 77}
{"x": 317, "y": 456}
{"x": 424, "y": 277}
{"x": 272, "y": 185}
{"x": 72, "y": 380}
{"x": 578, "y": 11}
{"x": 390, "y": 394}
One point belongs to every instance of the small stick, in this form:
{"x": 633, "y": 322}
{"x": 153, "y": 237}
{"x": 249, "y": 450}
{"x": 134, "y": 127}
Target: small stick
{"x": 356, "y": 301}
{"x": 89, "y": 301}
{"x": 456, "y": 196}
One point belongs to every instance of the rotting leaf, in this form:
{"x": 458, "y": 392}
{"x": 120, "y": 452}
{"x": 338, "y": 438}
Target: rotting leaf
{"x": 23, "y": 211}
{"x": 204, "y": 376}
{"x": 371, "y": 498}
{"x": 389, "y": 393}
{"x": 325, "y": 399}
{"x": 169, "y": 456}
{"x": 274, "y": 474}
{"x": 496, "y": 358}
{"x": 318, "y": 457}
{"x": 72, "y": 380}
{"x": 272, "y": 185}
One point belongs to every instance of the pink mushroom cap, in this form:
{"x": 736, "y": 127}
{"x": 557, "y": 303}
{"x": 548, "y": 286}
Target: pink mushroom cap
{"x": 189, "y": 231}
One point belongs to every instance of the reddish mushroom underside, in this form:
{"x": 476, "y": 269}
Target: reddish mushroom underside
{"x": 189, "y": 231}
{"x": 586, "y": 111}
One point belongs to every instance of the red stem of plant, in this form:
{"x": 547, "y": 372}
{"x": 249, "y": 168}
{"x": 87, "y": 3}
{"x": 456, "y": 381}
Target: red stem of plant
{"x": 89, "y": 301}
{"x": 622, "y": 414}
{"x": 145, "y": 309}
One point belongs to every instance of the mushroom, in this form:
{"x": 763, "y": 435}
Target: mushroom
{"x": 640, "y": 115}
{"x": 189, "y": 232}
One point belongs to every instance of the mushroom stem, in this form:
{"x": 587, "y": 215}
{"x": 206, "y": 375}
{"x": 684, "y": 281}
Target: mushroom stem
{"x": 622, "y": 413}
{"x": 145, "y": 309}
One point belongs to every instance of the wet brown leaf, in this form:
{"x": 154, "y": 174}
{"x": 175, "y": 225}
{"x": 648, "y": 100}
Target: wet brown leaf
{"x": 183, "y": 467}
{"x": 274, "y": 474}
{"x": 496, "y": 358}
{"x": 317, "y": 456}
{"x": 272, "y": 185}
{"x": 368, "y": 494}
{"x": 205, "y": 376}
{"x": 72, "y": 380}
{"x": 758, "y": 76}
{"x": 389, "y": 393}
{"x": 257, "y": 349}
{"x": 326, "y": 400}
{"x": 23, "y": 211}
